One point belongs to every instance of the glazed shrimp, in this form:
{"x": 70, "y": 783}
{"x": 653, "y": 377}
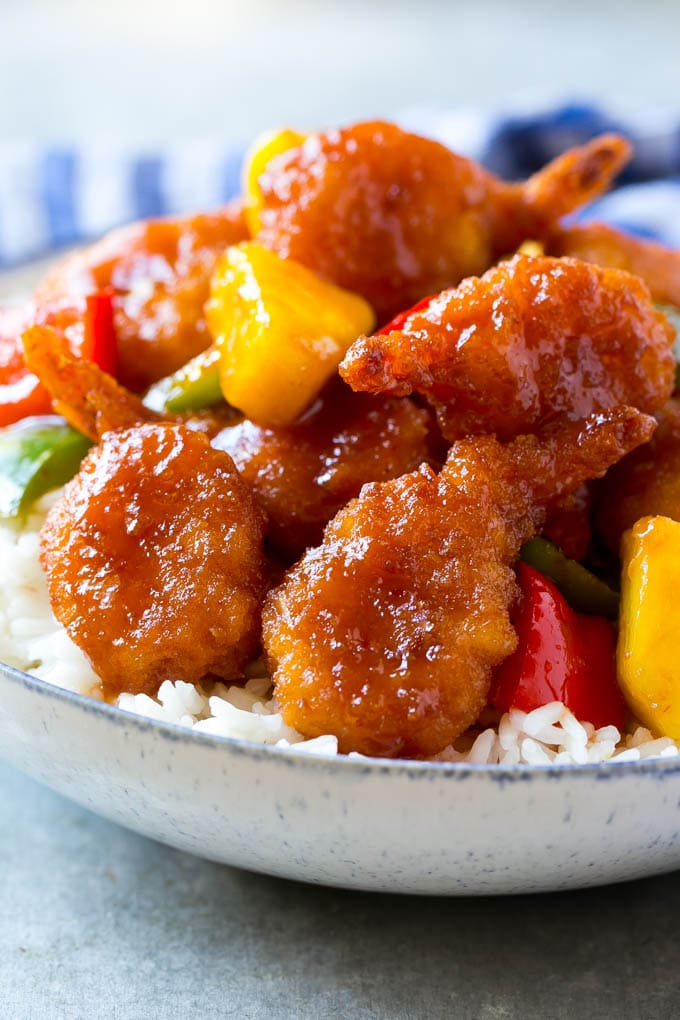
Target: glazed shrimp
{"x": 533, "y": 340}
{"x": 644, "y": 484}
{"x": 154, "y": 562}
{"x": 658, "y": 266}
{"x": 386, "y": 635}
{"x": 91, "y": 400}
{"x": 303, "y": 474}
{"x": 160, "y": 271}
{"x": 394, "y": 217}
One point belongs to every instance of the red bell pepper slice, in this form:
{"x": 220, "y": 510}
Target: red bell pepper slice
{"x": 87, "y": 324}
{"x": 99, "y": 343}
{"x": 21, "y": 394}
{"x": 561, "y": 656}
{"x": 397, "y": 323}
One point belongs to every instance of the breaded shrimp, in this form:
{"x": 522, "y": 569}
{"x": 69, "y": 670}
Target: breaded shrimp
{"x": 394, "y": 217}
{"x": 644, "y": 484}
{"x": 387, "y": 634}
{"x": 658, "y": 266}
{"x": 303, "y": 474}
{"x": 160, "y": 271}
{"x": 534, "y": 339}
{"x": 91, "y": 400}
{"x": 153, "y": 559}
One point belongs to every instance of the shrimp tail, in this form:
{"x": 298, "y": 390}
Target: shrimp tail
{"x": 566, "y": 456}
{"x": 657, "y": 265}
{"x": 90, "y": 399}
{"x": 573, "y": 179}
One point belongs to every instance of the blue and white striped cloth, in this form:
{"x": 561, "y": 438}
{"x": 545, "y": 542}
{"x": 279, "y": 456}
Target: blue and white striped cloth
{"x": 56, "y": 196}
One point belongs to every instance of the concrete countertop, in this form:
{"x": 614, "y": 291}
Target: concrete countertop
{"x": 98, "y": 922}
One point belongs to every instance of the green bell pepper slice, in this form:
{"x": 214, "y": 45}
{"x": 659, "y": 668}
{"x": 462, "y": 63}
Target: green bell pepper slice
{"x": 192, "y": 387}
{"x": 36, "y": 455}
{"x": 584, "y": 592}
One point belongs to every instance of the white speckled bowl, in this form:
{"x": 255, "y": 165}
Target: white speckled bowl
{"x": 393, "y": 826}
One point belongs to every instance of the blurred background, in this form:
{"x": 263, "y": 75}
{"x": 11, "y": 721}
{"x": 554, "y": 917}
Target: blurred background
{"x": 117, "y": 110}
{"x": 149, "y": 72}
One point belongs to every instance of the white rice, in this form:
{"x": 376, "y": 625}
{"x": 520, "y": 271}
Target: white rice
{"x": 32, "y": 640}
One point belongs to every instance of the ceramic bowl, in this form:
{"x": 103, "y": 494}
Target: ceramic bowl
{"x": 410, "y": 827}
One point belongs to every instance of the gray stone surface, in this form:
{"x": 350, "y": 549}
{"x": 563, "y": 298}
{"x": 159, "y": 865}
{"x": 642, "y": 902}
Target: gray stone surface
{"x": 98, "y": 922}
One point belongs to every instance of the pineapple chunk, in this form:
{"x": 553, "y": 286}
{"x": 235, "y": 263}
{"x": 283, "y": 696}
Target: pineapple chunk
{"x": 281, "y": 332}
{"x": 262, "y": 152}
{"x": 648, "y": 655}
{"x": 532, "y": 248}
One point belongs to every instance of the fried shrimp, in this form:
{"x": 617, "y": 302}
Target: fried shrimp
{"x": 303, "y": 474}
{"x": 153, "y": 559}
{"x": 160, "y": 271}
{"x": 658, "y": 266}
{"x": 387, "y": 634}
{"x": 91, "y": 400}
{"x": 533, "y": 340}
{"x": 644, "y": 484}
{"x": 393, "y": 216}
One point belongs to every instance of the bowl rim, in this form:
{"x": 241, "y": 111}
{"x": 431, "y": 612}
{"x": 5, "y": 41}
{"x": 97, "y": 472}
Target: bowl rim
{"x": 175, "y": 732}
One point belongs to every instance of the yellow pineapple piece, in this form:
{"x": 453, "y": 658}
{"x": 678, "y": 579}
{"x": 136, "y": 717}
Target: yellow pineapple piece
{"x": 648, "y": 654}
{"x": 532, "y": 248}
{"x": 281, "y": 332}
{"x": 261, "y": 153}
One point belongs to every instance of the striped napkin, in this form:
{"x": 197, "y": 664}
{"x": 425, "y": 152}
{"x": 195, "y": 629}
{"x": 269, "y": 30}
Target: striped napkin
{"x": 55, "y": 196}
